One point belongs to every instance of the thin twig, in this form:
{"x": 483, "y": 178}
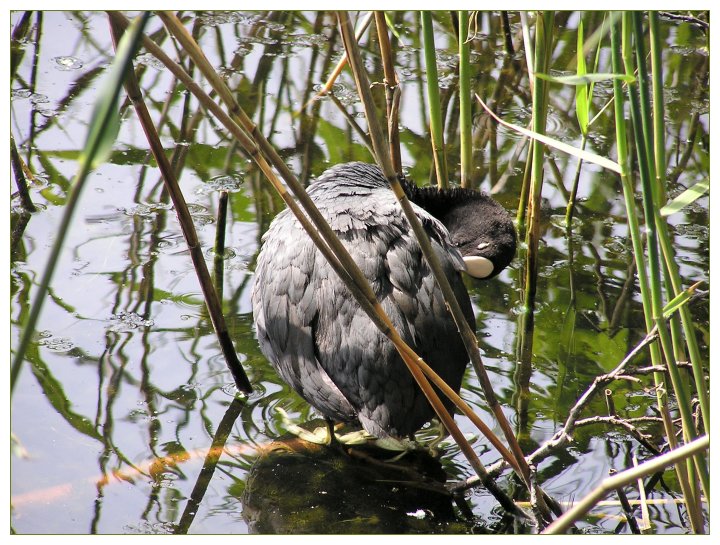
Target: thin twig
{"x": 642, "y": 438}
{"x": 353, "y": 123}
{"x": 188, "y": 228}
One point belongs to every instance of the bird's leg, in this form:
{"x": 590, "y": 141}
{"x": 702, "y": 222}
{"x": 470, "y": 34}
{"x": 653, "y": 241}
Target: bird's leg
{"x": 332, "y": 439}
{"x": 433, "y": 445}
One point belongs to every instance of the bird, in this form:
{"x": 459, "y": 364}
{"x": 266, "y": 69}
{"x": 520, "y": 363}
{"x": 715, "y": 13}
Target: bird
{"x": 313, "y": 331}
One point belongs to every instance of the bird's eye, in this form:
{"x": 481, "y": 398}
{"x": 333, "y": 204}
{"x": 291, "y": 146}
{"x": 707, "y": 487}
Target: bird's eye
{"x": 483, "y": 245}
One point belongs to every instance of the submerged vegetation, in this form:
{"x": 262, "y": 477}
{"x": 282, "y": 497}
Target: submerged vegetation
{"x": 590, "y": 125}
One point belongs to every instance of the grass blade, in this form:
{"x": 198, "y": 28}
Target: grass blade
{"x": 571, "y": 150}
{"x": 586, "y": 79}
{"x": 678, "y": 301}
{"x": 688, "y": 196}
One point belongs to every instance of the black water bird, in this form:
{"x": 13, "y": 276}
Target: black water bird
{"x": 313, "y": 331}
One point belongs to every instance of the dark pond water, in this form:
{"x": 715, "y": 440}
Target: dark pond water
{"x": 124, "y": 401}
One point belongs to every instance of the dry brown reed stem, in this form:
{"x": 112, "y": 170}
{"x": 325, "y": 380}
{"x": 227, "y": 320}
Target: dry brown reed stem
{"x": 472, "y": 415}
{"x": 467, "y": 450}
{"x": 364, "y": 24}
{"x": 467, "y": 334}
{"x": 361, "y": 290}
{"x": 186, "y": 223}
{"x": 392, "y": 91}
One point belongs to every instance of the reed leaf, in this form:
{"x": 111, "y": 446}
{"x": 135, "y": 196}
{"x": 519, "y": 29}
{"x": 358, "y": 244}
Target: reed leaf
{"x": 586, "y": 79}
{"x": 690, "y": 195}
{"x": 678, "y": 301}
{"x": 582, "y": 98}
{"x": 552, "y": 142}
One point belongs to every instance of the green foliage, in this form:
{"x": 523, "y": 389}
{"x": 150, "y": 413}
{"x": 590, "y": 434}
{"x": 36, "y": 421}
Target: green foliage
{"x": 338, "y": 148}
{"x": 685, "y": 198}
{"x": 586, "y": 79}
{"x": 105, "y": 117}
{"x": 582, "y": 98}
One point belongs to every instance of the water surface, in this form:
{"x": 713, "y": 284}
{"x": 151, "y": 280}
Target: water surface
{"x": 125, "y": 389}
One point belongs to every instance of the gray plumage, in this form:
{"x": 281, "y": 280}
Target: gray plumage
{"x": 314, "y": 333}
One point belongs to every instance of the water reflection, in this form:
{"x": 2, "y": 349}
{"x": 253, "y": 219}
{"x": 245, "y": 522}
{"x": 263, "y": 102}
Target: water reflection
{"x": 297, "y": 487}
{"x": 125, "y": 416}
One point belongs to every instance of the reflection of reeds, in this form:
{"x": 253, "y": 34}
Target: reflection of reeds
{"x": 652, "y": 259}
{"x": 101, "y": 136}
{"x": 212, "y": 299}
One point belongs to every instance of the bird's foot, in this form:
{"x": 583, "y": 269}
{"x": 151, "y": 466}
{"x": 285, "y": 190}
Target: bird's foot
{"x": 324, "y": 435}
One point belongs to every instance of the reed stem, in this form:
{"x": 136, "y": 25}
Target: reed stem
{"x": 212, "y": 300}
{"x": 392, "y": 91}
{"x": 466, "y": 154}
{"x": 543, "y": 49}
{"x": 433, "y": 97}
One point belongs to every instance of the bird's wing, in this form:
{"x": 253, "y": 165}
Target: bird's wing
{"x": 286, "y": 313}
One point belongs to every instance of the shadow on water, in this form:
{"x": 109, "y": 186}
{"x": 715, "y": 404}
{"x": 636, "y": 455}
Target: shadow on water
{"x": 298, "y": 487}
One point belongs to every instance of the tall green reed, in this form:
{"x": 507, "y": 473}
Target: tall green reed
{"x": 466, "y": 141}
{"x": 433, "y": 98}
{"x": 543, "y": 51}
{"x": 649, "y": 271}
